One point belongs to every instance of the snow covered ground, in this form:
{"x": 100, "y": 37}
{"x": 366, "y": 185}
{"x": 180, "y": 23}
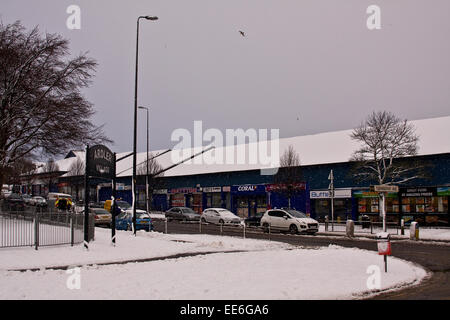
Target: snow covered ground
{"x": 270, "y": 270}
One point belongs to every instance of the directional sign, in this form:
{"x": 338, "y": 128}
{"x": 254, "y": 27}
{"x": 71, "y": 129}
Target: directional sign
{"x": 385, "y": 188}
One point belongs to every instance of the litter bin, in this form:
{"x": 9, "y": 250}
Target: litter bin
{"x": 365, "y": 222}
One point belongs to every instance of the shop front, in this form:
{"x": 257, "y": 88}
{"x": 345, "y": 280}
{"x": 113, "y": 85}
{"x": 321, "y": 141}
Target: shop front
{"x": 426, "y": 205}
{"x": 212, "y": 197}
{"x": 321, "y": 204}
{"x": 368, "y": 204}
{"x": 186, "y": 197}
{"x": 248, "y": 200}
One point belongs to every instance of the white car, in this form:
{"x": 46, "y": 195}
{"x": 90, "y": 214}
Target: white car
{"x": 220, "y": 216}
{"x": 289, "y": 220}
{"x": 38, "y": 201}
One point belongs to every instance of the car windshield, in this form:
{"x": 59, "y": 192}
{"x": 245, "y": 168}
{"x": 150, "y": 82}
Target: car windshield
{"x": 188, "y": 210}
{"x": 296, "y": 214}
{"x": 123, "y": 204}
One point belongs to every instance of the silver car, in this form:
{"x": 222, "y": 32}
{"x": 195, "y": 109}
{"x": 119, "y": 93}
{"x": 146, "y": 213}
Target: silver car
{"x": 220, "y": 216}
{"x": 182, "y": 213}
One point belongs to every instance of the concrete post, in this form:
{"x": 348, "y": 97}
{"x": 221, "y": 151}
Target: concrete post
{"x": 350, "y": 228}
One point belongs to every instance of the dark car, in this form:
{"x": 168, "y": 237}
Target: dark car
{"x": 14, "y": 202}
{"x": 182, "y": 213}
{"x": 254, "y": 220}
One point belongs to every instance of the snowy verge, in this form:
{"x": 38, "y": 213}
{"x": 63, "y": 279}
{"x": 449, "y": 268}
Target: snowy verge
{"x": 128, "y": 247}
{"x": 327, "y": 273}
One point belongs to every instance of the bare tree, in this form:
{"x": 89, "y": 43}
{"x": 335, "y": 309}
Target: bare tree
{"x": 42, "y": 109}
{"x": 50, "y": 173}
{"x": 77, "y": 168}
{"x": 154, "y": 181}
{"x": 385, "y": 139}
{"x": 76, "y": 171}
{"x": 289, "y": 176}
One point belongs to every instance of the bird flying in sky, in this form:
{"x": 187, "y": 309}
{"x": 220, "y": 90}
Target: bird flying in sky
{"x": 242, "y": 33}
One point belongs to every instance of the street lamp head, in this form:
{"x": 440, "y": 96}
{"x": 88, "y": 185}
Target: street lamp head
{"x": 143, "y": 108}
{"x": 151, "y": 18}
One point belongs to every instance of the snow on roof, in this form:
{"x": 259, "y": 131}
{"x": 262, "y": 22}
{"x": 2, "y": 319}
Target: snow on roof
{"x": 322, "y": 148}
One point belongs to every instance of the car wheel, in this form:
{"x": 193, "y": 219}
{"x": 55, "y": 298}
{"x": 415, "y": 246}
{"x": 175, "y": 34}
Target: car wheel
{"x": 203, "y": 220}
{"x": 293, "y": 229}
{"x": 266, "y": 227}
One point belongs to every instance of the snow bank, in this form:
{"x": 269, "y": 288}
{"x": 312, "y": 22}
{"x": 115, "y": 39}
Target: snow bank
{"x": 128, "y": 247}
{"x": 273, "y": 271}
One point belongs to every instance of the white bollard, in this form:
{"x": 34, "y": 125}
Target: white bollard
{"x": 414, "y": 231}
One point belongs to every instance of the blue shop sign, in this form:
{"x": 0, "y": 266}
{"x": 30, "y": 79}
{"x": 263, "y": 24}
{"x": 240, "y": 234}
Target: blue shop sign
{"x": 249, "y": 188}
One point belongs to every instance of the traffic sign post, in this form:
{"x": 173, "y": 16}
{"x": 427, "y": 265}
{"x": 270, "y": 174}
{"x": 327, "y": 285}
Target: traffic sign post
{"x": 100, "y": 163}
{"x": 331, "y": 188}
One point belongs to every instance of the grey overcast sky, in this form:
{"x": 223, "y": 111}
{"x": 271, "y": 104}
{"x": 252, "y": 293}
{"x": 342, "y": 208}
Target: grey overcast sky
{"x": 314, "y": 60}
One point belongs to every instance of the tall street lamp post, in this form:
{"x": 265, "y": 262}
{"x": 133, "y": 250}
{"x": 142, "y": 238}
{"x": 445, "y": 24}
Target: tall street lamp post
{"x": 135, "y": 119}
{"x": 147, "y": 176}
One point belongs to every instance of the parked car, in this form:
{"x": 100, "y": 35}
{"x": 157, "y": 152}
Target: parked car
{"x": 102, "y": 217}
{"x": 124, "y": 221}
{"x": 26, "y": 198}
{"x": 254, "y": 220}
{"x": 38, "y": 201}
{"x": 289, "y": 220}
{"x": 14, "y": 202}
{"x": 220, "y": 216}
{"x": 182, "y": 213}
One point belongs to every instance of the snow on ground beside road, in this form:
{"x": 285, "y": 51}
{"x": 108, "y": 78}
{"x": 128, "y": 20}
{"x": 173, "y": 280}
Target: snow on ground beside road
{"x": 432, "y": 234}
{"x": 128, "y": 247}
{"x": 424, "y": 233}
{"x": 327, "y": 273}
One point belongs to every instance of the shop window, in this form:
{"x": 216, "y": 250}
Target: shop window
{"x": 368, "y": 205}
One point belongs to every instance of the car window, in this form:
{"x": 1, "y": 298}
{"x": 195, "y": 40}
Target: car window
{"x": 276, "y": 213}
{"x": 297, "y": 214}
{"x": 188, "y": 210}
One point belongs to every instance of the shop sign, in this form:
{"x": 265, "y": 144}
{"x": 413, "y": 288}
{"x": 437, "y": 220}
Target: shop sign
{"x": 418, "y": 192}
{"x": 443, "y": 191}
{"x": 160, "y": 191}
{"x": 120, "y": 186}
{"x": 184, "y": 190}
{"x": 249, "y": 188}
{"x": 226, "y": 189}
{"x": 369, "y": 194}
{"x": 212, "y": 189}
{"x": 283, "y": 187}
{"x": 325, "y": 194}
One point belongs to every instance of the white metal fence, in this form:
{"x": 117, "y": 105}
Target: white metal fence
{"x": 34, "y": 227}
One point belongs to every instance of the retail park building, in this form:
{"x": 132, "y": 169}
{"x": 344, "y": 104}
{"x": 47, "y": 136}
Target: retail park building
{"x": 242, "y": 188}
